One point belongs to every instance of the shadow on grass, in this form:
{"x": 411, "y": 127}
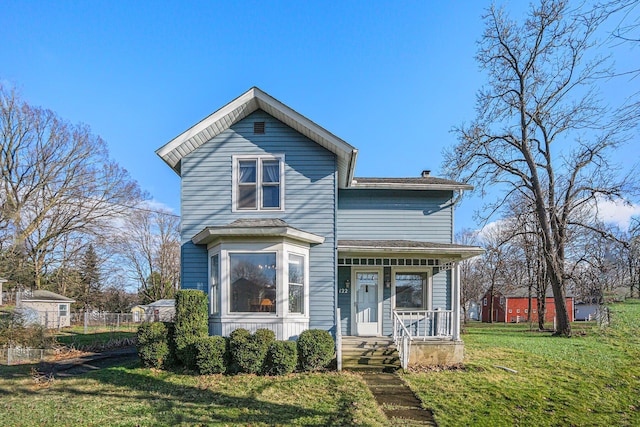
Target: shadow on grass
{"x": 168, "y": 403}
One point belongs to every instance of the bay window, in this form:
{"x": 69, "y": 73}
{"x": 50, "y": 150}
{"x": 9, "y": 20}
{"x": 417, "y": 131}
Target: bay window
{"x": 260, "y": 280}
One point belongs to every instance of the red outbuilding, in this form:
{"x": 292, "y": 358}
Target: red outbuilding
{"x": 513, "y": 307}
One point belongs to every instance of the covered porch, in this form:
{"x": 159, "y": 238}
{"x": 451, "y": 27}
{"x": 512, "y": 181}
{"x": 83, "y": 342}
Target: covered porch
{"x": 407, "y": 292}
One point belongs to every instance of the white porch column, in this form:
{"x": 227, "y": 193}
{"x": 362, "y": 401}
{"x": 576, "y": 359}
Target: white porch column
{"x": 455, "y": 301}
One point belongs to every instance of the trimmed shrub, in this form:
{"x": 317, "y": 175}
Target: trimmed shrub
{"x": 172, "y": 358}
{"x": 315, "y": 349}
{"x": 237, "y": 341}
{"x": 152, "y": 346}
{"x": 191, "y": 324}
{"x": 211, "y": 355}
{"x": 265, "y": 337}
{"x": 248, "y": 352}
{"x": 282, "y": 358}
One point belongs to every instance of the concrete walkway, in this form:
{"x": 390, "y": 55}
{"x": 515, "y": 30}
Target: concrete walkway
{"x": 398, "y": 402}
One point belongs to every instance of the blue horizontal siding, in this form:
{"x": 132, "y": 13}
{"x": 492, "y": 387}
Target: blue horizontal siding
{"x": 395, "y": 214}
{"x": 310, "y": 199}
{"x": 441, "y": 289}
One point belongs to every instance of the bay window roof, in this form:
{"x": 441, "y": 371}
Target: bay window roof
{"x": 255, "y": 228}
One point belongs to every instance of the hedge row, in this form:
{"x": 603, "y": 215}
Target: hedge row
{"x": 241, "y": 352}
{"x": 186, "y": 343}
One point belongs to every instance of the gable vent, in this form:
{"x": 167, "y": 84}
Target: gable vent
{"x": 258, "y": 127}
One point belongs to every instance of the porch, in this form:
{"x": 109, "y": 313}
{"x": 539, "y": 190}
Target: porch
{"x": 420, "y": 337}
{"x": 406, "y": 292}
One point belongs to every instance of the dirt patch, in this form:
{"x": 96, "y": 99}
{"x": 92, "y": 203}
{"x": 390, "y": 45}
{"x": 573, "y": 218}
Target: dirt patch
{"x": 435, "y": 368}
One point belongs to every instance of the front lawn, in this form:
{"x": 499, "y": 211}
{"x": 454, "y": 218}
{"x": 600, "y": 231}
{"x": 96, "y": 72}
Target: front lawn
{"x": 590, "y": 379}
{"x": 129, "y": 396}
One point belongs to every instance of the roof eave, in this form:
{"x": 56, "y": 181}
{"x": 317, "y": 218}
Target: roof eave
{"x": 401, "y": 186}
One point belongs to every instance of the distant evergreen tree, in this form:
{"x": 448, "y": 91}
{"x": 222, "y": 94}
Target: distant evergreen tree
{"x": 90, "y": 294}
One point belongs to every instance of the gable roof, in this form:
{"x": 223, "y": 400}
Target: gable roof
{"x": 252, "y": 100}
{"x": 47, "y": 296}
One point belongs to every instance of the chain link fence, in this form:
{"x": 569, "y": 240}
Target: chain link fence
{"x": 18, "y": 355}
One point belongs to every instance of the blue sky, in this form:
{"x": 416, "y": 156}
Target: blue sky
{"x": 390, "y": 78}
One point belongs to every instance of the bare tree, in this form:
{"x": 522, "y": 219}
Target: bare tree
{"x": 494, "y": 263}
{"x": 149, "y": 244}
{"x": 540, "y": 130}
{"x": 472, "y": 284}
{"x": 57, "y": 181}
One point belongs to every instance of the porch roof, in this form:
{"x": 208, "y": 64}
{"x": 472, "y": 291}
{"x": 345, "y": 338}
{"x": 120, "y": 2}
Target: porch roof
{"x": 409, "y": 247}
{"x": 244, "y": 228}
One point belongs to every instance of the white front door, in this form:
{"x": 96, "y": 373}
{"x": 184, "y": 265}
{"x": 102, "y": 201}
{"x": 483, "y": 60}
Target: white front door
{"x": 367, "y": 304}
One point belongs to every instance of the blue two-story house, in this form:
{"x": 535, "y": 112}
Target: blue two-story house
{"x": 281, "y": 235}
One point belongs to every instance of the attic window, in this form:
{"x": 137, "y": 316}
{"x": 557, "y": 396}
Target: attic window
{"x": 258, "y": 127}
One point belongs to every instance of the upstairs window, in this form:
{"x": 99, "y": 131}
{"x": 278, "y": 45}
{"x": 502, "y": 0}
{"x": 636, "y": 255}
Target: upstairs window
{"x": 258, "y": 183}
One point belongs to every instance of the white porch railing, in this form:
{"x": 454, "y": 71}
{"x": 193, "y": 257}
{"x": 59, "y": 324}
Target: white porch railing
{"x": 419, "y": 324}
{"x": 402, "y": 339}
{"x": 424, "y": 324}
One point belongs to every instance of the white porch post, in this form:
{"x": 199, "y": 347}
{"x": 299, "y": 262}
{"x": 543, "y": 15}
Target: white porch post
{"x": 455, "y": 301}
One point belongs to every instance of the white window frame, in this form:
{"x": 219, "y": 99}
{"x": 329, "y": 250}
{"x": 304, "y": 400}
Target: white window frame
{"x": 282, "y": 250}
{"x": 214, "y": 286}
{"x": 304, "y": 284}
{"x": 428, "y": 292}
{"x": 62, "y": 307}
{"x": 259, "y": 181}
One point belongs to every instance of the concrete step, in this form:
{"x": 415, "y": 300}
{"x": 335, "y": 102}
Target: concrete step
{"x": 369, "y": 354}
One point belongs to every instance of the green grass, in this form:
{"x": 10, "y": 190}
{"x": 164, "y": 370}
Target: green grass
{"x": 590, "y": 379}
{"x": 127, "y": 396}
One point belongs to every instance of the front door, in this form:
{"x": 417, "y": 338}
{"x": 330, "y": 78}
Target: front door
{"x": 366, "y": 305}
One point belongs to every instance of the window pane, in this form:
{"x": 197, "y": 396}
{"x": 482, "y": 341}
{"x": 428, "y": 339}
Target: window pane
{"x": 271, "y": 171}
{"x": 246, "y": 196}
{"x": 271, "y": 196}
{"x": 214, "y": 284}
{"x": 410, "y": 290}
{"x": 296, "y": 284}
{"x": 253, "y": 282}
{"x": 247, "y": 171}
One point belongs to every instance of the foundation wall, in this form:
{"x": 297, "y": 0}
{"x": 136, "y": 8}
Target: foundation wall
{"x": 439, "y": 353}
